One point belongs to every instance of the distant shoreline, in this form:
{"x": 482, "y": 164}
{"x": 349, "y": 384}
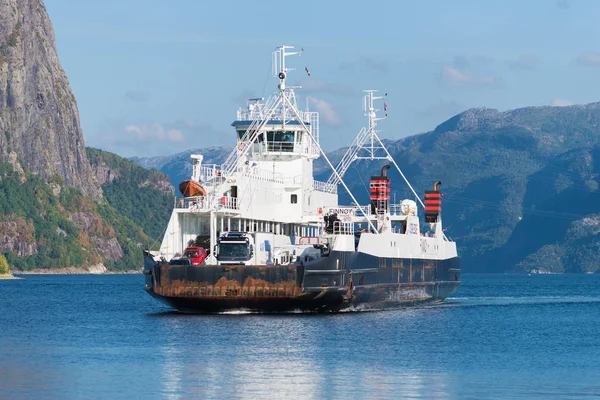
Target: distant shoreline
{"x": 73, "y": 271}
{"x": 8, "y": 276}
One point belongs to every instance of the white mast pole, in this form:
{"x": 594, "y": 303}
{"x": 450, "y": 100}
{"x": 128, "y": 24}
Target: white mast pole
{"x": 333, "y": 168}
{"x": 285, "y": 100}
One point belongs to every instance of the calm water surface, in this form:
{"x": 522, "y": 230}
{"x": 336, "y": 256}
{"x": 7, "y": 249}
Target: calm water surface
{"x": 500, "y": 336}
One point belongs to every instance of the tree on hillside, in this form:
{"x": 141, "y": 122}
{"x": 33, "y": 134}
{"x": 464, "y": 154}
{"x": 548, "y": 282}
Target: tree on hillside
{"x": 3, "y": 265}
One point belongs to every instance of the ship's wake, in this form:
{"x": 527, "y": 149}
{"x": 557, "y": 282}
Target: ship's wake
{"x": 516, "y": 300}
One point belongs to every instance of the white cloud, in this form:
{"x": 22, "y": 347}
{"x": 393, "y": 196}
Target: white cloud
{"x": 190, "y": 123}
{"x": 146, "y": 138}
{"x": 462, "y": 61}
{"x": 589, "y": 59}
{"x": 525, "y": 62}
{"x": 452, "y": 76}
{"x": 558, "y": 102}
{"x": 326, "y": 111}
{"x": 154, "y": 131}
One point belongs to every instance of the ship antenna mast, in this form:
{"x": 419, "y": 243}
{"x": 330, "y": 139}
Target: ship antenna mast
{"x": 373, "y": 144}
{"x": 282, "y": 104}
{"x": 279, "y": 69}
{"x": 367, "y": 145}
{"x": 369, "y": 107}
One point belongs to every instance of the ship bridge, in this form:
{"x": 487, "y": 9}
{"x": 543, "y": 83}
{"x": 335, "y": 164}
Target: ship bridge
{"x": 284, "y": 134}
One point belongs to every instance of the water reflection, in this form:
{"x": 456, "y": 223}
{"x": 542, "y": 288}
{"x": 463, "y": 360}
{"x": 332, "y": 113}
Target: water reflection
{"x": 281, "y": 357}
{"x": 503, "y": 337}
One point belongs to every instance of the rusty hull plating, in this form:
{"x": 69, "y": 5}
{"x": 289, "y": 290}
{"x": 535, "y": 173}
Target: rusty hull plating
{"x": 277, "y": 289}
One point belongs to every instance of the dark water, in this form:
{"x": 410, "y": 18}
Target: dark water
{"x": 500, "y": 336}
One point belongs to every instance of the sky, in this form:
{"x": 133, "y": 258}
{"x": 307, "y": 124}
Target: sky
{"x": 159, "y": 77}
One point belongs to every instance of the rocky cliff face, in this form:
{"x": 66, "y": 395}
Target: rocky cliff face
{"x": 16, "y": 235}
{"x": 39, "y": 120}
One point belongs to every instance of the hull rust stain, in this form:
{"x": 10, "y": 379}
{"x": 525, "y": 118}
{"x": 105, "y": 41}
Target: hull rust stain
{"x": 280, "y": 289}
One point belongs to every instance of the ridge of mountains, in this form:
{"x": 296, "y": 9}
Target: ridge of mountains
{"x": 520, "y": 187}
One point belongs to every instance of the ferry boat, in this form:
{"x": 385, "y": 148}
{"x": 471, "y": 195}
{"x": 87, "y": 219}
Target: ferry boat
{"x": 276, "y": 239}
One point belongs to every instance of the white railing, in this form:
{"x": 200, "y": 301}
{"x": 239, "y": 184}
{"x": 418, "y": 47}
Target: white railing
{"x": 343, "y": 228}
{"x": 395, "y": 209}
{"x": 208, "y": 172}
{"x": 295, "y": 180}
{"x": 314, "y": 126}
{"x": 325, "y": 187}
{"x": 366, "y": 210}
{"x": 259, "y": 111}
{"x": 206, "y": 203}
{"x": 280, "y": 147}
{"x": 261, "y": 174}
{"x": 232, "y": 162}
{"x": 306, "y": 147}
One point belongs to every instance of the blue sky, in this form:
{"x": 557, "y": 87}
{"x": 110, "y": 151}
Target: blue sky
{"x": 157, "y": 77}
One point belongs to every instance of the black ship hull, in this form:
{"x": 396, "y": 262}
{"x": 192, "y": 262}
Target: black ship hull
{"x": 366, "y": 283}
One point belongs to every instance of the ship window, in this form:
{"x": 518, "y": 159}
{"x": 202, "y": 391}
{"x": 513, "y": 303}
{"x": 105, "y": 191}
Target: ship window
{"x": 242, "y": 132}
{"x": 282, "y": 141}
{"x": 294, "y": 199}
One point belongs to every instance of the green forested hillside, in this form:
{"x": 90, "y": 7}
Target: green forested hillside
{"x": 47, "y": 224}
{"x": 144, "y": 196}
{"x": 50, "y": 225}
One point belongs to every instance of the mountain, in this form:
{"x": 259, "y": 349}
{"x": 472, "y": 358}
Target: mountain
{"x": 506, "y": 177}
{"x": 520, "y": 187}
{"x": 179, "y": 166}
{"x": 144, "y": 196}
{"x": 52, "y": 225}
{"x": 39, "y": 120}
{"x": 60, "y": 205}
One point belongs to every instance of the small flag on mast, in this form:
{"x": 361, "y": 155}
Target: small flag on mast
{"x": 307, "y": 71}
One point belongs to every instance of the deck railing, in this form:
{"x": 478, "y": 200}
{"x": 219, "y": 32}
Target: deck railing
{"x": 205, "y": 203}
{"x": 395, "y": 209}
{"x": 261, "y": 174}
{"x": 325, "y": 187}
{"x": 343, "y": 228}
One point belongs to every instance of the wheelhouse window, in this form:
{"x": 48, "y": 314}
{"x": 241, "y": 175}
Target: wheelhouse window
{"x": 242, "y": 132}
{"x": 294, "y": 199}
{"x": 280, "y": 141}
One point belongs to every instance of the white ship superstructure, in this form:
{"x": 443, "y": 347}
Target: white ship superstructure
{"x": 266, "y": 184}
{"x": 262, "y": 209}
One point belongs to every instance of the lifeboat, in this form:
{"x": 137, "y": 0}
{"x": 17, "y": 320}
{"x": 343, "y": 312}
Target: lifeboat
{"x": 191, "y": 188}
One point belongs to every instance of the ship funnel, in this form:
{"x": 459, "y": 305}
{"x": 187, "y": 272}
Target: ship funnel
{"x": 384, "y": 170}
{"x": 380, "y": 192}
{"x": 433, "y": 203}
